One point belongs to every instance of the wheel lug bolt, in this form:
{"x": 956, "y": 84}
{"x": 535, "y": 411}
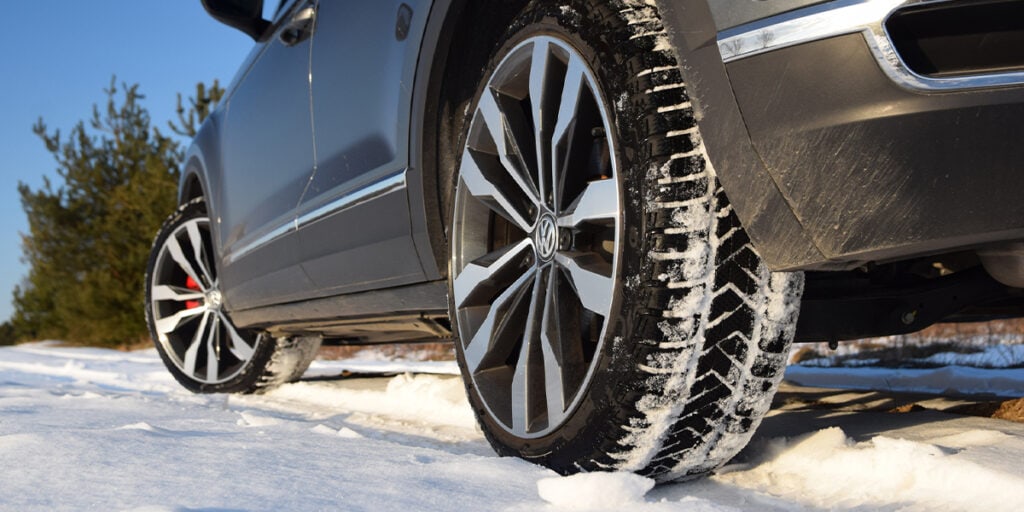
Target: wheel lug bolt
{"x": 564, "y": 239}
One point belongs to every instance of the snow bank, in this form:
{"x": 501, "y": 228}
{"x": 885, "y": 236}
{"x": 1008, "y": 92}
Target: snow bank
{"x": 829, "y": 470}
{"x": 996, "y": 356}
{"x": 429, "y": 398}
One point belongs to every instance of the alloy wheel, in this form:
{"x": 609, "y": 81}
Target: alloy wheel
{"x": 536, "y": 236}
{"x": 187, "y": 308}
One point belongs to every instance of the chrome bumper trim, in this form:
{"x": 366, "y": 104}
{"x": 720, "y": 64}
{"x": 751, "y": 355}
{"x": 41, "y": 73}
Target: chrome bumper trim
{"x": 841, "y": 17}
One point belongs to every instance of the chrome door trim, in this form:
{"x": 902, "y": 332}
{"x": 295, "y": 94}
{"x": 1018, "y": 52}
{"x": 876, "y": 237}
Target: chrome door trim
{"x": 265, "y": 239}
{"x": 841, "y": 17}
{"x": 355, "y": 198}
{"x": 359, "y": 196}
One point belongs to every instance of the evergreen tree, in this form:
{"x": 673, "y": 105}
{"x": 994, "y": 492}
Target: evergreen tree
{"x": 89, "y": 238}
{"x": 7, "y": 334}
{"x": 199, "y": 108}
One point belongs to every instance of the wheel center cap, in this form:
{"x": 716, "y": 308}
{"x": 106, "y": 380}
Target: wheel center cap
{"x": 546, "y": 237}
{"x": 213, "y": 299}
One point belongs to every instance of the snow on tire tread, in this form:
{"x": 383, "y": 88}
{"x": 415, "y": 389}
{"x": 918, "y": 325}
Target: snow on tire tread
{"x": 725, "y": 320}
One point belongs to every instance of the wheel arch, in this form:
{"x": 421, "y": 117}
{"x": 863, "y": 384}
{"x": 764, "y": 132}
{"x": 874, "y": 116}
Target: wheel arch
{"x": 457, "y": 43}
{"x": 200, "y": 174}
{"x": 195, "y": 177}
{"x": 191, "y": 187}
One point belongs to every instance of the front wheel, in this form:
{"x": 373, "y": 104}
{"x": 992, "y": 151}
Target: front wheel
{"x": 609, "y": 310}
{"x": 193, "y": 334}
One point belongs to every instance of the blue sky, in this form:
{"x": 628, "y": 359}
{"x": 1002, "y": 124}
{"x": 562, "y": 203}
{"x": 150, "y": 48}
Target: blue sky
{"x": 58, "y": 56}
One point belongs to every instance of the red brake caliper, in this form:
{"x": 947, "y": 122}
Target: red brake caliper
{"x": 191, "y": 284}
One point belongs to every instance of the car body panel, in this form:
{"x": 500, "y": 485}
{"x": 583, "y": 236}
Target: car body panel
{"x": 266, "y": 145}
{"x": 264, "y": 140}
{"x": 789, "y": 129}
{"x": 845, "y": 145}
{"x": 366, "y": 209}
{"x": 731, "y": 13}
{"x": 361, "y": 127}
{"x": 322, "y": 211}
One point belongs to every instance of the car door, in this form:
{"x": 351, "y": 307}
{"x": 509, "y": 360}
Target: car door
{"x": 353, "y": 220}
{"x": 267, "y": 152}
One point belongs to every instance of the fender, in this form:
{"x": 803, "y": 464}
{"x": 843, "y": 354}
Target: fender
{"x": 766, "y": 216}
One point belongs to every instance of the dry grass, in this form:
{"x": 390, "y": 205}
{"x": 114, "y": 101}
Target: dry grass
{"x": 1010, "y": 410}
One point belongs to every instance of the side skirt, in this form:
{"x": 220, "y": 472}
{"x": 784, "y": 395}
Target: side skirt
{"x": 407, "y": 313}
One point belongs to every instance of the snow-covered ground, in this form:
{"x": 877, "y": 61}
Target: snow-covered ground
{"x": 104, "y": 430}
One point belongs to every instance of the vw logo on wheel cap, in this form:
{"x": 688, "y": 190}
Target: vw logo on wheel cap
{"x": 546, "y": 237}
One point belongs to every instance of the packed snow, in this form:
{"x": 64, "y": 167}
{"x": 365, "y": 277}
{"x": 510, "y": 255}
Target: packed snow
{"x": 98, "y": 429}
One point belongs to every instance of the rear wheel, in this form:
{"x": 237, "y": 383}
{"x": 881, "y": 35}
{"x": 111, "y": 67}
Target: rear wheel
{"x": 193, "y": 333}
{"x": 609, "y": 309}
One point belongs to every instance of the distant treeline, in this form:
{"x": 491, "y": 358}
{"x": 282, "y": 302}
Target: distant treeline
{"x": 89, "y": 234}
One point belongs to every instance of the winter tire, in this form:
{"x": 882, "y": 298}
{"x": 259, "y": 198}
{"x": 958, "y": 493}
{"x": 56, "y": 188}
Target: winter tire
{"x": 193, "y": 333}
{"x": 609, "y": 310}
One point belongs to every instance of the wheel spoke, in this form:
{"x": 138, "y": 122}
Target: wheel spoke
{"x": 174, "y": 248}
{"x": 526, "y": 403}
{"x": 242, "y": 350}
{"x": 598, "y": 203}
{"x": 488, "y": 336}
{"x": 212, "y": 352}
{"x": 482, "y": 187}
{"x": 590, "y": 276}
{"x": 484, "y": 274}
{"x": 189, "y": 364}
{"x": 519, "y": 393}
{"x": 175, "y": 293}
{"x": 565, "y": 125}
{"x": 539, "y": 103}
{"x": 197, "y": 246}
{"x": 552, "y": 337}
{"x": 169, "y": 324}
{"x": 569, "y": 102}
{"x": 498, "y": 124}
